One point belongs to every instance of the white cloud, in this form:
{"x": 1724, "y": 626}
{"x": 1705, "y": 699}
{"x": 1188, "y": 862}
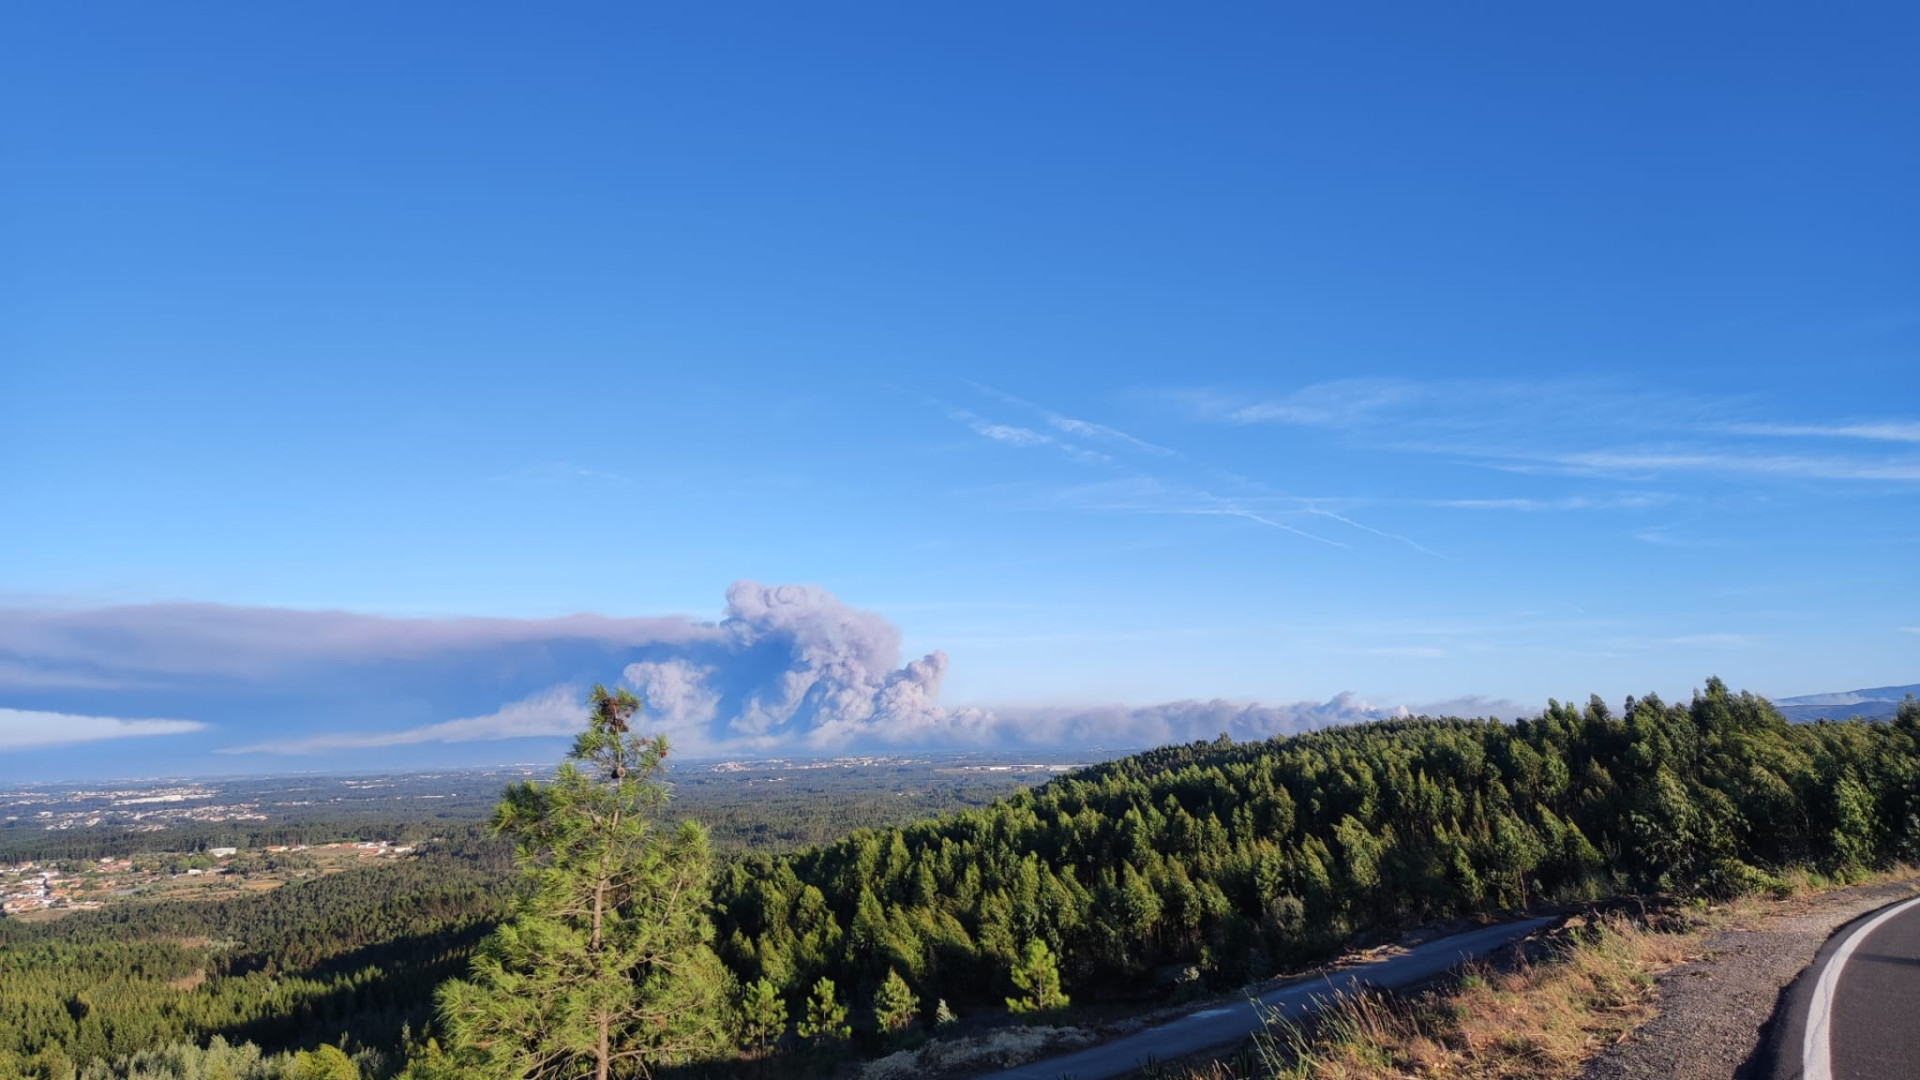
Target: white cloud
{"x": 1664, "y": 536}
{"x": 1884, "y": 430}
{"x": 1336, "y": 404}
{"x": 1084, "y": 429}
{"x": 1007, "y": 433}
{"x": 1143, "y": 494}
{"x": 1332, "y": 404}
{"x": 1794, "y": 465}
{"x": 1014, "y": 435}
{"x": 1248, "y": 515}
{"x": 1409, "y": 541}
{"x": 22, "y": 729}
{"x": 1630, "y": 501}
{"x": 1148, "y": 493}
{"x": 1497, "y": 406}
{"x": 1496, "y": 423}
{"x": 554, "y": 712}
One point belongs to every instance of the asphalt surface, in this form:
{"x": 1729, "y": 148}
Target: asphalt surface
{"x": 1854, "y": 1014}
{"x": 1224, "y": 1025}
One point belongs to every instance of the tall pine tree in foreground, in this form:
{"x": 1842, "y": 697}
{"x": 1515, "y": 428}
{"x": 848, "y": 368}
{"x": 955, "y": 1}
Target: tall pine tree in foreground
{"x": 603, "y": 969}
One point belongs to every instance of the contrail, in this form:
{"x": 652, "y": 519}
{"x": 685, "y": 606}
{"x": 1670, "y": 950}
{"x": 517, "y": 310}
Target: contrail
{"x": 1269, "y": 522}
{"x": 1407, "y": 540}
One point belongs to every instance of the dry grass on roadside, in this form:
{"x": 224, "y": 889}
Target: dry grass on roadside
{"x": 1795, "y": 891}
{"x": 1538, "y": 1019}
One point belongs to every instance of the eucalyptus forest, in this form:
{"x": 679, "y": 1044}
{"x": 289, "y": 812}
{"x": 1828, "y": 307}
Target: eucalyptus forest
{"x": 588, "y": 933}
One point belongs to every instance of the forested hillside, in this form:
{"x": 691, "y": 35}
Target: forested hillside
{"x": 1216, "y": 861}
{"x": 350, "y": 957}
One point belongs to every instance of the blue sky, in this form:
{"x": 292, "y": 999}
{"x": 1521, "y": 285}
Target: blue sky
{"x": 1120, "y": 354}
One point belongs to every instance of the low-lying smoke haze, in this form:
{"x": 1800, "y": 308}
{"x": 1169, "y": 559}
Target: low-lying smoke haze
{"x": 786, "y": 669}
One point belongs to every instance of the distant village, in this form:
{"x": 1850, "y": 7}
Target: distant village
{"x": 143, "y": 809}
{"x": 71, "y": 885}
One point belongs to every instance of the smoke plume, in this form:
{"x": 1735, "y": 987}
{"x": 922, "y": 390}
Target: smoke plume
{"x": 786, "y": 668}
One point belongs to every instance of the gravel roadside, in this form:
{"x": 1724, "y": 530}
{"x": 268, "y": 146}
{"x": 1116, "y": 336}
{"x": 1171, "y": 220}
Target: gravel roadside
{"x": 1713, "y": 1008}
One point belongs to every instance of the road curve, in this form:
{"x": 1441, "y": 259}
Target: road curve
{"x": 1225, "y": 1024}
{"x": 1854, "y": 1014}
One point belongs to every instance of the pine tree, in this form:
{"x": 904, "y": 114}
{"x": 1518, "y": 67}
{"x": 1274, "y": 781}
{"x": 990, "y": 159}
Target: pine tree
{"x": 894, "y": 1004}
{"x": 826, "y": 1018}
{"x": 1038, "y": 977}
{"x": 603, "y": 969}
{"x": 763, "y": 1016}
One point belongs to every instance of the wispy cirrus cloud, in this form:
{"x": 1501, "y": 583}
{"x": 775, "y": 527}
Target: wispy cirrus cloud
{"x": 559, "y": 472}
{"x": 1577, "y": 428}
{"x": 1668, "y": 536}
{"x": 1070, "y": 425}
{"x": 1407, "y": 540}
{"x": 1007, "y": 433}
{"x": 1249, "y": 515}
{"x": 1340, "y": 403}
{"x": 1153, "y": 487}
{"x": 1088, "y": 430}
{"x": 1143, "y": 494}
{"x": 1015, "y": 435}
{"x": 1882, "y": 431}
{"x": 1662, "y": 461}
{"x": 26, "y": 729}
{"x": 1534, "y": 408}
{"x": 1623, "y": 501}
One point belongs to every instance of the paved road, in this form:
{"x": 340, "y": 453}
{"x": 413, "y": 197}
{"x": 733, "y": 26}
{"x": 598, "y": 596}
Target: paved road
{"x": 1854, "y": 1014}
{"x": 1227, "y": 1024}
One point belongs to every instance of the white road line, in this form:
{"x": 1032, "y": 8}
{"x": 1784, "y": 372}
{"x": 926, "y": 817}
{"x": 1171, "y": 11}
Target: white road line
{"x": 1816, "y": 1053}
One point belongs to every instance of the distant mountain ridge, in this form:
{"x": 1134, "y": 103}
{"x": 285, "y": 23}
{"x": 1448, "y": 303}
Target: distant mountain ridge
{"x": 1879, "y": 703}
